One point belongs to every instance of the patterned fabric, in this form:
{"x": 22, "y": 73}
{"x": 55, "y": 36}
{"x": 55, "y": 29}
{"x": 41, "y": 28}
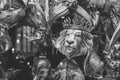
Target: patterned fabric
{"x": 5, "y": 40}
{"x": 68, "y": 70}
{"x": 105, "y": 3}
{"x": 93, "y": 65}
{"x": 41, "y": 68}
{"x": 9, "y": 74}
{"x": 112, "y": 56}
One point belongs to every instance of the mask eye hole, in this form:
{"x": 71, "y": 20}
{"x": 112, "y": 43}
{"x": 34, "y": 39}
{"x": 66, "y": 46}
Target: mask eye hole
{"x": 78, "y": 34}
{"x": 13, "y": 8}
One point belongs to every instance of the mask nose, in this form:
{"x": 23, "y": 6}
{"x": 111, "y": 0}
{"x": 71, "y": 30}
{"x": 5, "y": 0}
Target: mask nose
{"x": 70, "y": 40}
{"x": 69, "y": 43}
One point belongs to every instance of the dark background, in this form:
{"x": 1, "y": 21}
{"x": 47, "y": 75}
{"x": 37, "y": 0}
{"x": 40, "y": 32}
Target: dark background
{"x": 9, "y": 61}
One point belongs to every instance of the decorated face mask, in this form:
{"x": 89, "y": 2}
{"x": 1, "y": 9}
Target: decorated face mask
{"x": 11, "y": 11}
{"x": 72, "y": 42}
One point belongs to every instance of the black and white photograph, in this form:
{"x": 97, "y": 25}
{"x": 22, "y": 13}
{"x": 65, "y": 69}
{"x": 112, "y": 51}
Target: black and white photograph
{"x": 59, "y": 40}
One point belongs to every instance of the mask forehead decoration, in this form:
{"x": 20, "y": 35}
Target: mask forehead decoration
{"x": 76, "y": 38}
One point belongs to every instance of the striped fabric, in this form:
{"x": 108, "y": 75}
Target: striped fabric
{"x": 28, "y": 41}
